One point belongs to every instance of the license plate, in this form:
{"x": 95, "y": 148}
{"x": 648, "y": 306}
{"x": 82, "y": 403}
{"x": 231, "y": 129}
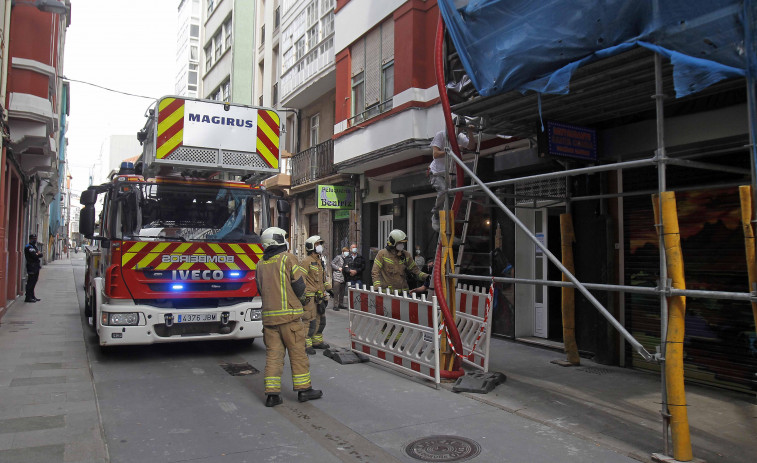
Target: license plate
{"x": 197, "y": 317}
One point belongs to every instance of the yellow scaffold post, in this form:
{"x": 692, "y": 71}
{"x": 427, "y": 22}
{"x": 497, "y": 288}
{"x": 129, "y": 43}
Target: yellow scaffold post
{"x": 745, "y": 193}
{"x": 567, "y": 238}
{"x": 447, "y": 222}
{"x": 676, "y": 395}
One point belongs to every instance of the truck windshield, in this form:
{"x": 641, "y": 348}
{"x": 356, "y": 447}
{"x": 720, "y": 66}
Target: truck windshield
{"x": 179, "y": 212}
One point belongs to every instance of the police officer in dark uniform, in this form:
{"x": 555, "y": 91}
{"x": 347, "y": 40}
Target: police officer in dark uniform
{"x": 33, "y": 256}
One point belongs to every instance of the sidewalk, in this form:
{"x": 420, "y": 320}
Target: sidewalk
{"x": 48, "y": 409}
{"x": 615, "y": 407}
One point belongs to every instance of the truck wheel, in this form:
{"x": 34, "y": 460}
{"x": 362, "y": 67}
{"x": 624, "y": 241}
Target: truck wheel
{"x": 87, "y": 306}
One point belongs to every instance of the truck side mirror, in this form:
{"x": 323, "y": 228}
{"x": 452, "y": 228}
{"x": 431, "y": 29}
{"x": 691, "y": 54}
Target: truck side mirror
{"x": 88, "y": 197}
{"x": 87, "y": 220}
{"x": 282, "y": 206}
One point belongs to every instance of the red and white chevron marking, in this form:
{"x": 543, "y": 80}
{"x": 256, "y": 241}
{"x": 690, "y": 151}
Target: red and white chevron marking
{"x": 473, "y": 318}
{"x": 400, "y": 331}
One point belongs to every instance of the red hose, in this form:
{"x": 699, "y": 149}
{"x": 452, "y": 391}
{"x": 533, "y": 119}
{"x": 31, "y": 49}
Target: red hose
{"x": 454, "y": 334}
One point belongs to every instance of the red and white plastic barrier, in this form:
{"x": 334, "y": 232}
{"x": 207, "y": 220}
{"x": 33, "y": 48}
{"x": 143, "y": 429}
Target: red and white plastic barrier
{"x": 397, "y": 330}
{"x": 474, "y": 322}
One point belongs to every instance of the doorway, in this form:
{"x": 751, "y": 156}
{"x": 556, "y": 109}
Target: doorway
{"x": 538, "y": 312}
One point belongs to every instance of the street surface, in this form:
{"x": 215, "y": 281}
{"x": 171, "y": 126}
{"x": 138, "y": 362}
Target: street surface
{"x": 63, "y": 399}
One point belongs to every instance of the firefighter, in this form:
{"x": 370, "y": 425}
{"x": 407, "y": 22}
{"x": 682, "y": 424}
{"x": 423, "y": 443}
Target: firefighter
{"x": 316, "y": 287}
{"x": 393, "y": 262}
{"x": 281, "y": 282}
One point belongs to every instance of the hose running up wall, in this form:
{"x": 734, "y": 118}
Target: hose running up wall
{"x": 449, "y": 321}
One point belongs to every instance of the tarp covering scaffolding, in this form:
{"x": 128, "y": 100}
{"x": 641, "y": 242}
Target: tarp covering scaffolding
{"x": 505, "y": 44}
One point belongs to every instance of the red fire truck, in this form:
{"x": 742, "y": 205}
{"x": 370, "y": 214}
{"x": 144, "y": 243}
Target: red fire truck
{"x": 178, "y": 240}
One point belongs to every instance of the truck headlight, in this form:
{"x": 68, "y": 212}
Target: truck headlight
{"x": 253, "y": 314}
{"x": 121, "y": 319}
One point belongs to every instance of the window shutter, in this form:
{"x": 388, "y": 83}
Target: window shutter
{"x": 373, "y": 67}
{"x": 387, "y": 41}
{"x": 357, "y": 51}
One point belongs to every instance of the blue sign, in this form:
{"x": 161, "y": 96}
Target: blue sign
{"x": 571, "y": 141}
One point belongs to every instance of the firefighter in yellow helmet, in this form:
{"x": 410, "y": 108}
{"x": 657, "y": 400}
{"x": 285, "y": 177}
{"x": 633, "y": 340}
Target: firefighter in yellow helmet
{"x": 392, "y": 262}
{"x": 317, "y": 285}
{"x": 281, "y": 283}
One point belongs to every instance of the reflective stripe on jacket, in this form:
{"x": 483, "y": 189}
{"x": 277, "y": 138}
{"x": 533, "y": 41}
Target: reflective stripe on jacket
{"x": 274, "y": 278}
{"x": 389, "y": 270}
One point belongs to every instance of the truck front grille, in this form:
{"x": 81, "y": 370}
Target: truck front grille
{"x": 194, "y": 329}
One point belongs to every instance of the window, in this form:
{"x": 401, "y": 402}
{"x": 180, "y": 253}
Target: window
{"x": 326, "y": 5}
{"x": 277, "y": 17}
{"x": 226, "y": 91}
{"x": 358, "y": 94}
{"x": 312, "y": 37}
{"x": 327, "y": 24}
{"x": 194, "y": 31}
{"x": 227, "y": 33}
{"x": 312, "y": 12}
{"x": 315, "y": 122}
{"x": 299, "y": 48}
{"x": 387, "y": 81}
{"x": 218, "y": 45}
{"x": 262, "y": 34}
{"x": 211, "y": 7}
{"x": 193, "y": 77}
{"x": 208, "y": 58}
{"x": 193, "y": 53}
{"x": 275, "y": 93}
{"x": 193, "y": 67}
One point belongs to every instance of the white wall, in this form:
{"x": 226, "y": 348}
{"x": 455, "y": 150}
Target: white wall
{"x": 357, "y": 17}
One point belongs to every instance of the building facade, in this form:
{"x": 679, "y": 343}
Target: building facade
{"x": 32, "y": 170}
{"x": 188, "y": 48}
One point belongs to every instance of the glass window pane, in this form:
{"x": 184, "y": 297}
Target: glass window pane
{"x": 194, "y": 30}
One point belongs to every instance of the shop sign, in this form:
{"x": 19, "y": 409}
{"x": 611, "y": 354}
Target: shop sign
{"x": 341, "y": 215}
{"x": 570, "y": 141}
{"x": 335, "y": 197}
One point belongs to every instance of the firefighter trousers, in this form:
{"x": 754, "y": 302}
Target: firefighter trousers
{"x": 309, "y": 317}
{"x": 280, "y": 339}
{"x": 315, "y": 329}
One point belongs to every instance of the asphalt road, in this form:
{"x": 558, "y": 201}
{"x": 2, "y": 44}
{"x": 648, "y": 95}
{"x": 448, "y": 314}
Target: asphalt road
{"x": 176, "y": 403}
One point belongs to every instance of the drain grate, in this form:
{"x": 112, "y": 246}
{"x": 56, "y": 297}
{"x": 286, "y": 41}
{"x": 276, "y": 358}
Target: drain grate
{"x": 239, "y": 369}
{"x": 443, "y": 448}
{"x": 595, "y": 370}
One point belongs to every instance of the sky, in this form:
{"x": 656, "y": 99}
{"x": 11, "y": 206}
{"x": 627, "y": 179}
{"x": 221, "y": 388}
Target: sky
{"x": 125, "y": 45}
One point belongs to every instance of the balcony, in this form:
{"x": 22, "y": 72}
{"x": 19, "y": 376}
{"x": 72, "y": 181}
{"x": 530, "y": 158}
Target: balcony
{"x": 309, "y": 77}
{"x": 313, "y": 163}
{"x": 370, "y": 113}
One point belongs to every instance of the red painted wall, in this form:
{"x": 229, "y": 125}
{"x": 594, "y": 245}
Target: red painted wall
{"x": 28, "y": 26}
{"x": 414, "y": 33}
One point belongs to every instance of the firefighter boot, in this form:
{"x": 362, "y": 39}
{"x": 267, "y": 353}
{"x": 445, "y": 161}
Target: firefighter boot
{"x": 273, "y": 399}
{"x": 322, "y": 345}
{"x": 310, "y": 351}
{"x": 309, "y": 394}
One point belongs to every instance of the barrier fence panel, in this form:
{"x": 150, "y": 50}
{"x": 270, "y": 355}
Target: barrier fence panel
{"x": 474, "y": 322}
{"x": 400, "y": 331}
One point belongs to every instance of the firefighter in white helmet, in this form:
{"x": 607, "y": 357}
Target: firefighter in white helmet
{"x": 281, "y": 283}
{"x": 392, "y": 263}
{"x": 317, "y": 284}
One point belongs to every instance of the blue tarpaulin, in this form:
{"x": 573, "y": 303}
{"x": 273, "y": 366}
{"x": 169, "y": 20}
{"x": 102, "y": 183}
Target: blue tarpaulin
{"x": 524, "y": 45}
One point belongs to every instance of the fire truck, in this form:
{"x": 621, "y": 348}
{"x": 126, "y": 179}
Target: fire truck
{"x": 178, "y": 236}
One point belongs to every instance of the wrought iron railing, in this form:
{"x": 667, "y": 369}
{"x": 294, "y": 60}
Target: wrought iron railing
{"x": 313, "y": 163}
{"x": 370, "y": 113}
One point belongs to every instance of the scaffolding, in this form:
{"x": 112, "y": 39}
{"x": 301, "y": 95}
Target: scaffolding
{"x": 599, "y": 89}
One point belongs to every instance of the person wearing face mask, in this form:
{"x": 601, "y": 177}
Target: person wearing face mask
{"x": 337, "y": 279}
{"x": 393, "y": 262}
{"x": 316, "y": 286}
{"x": 420, "y": 261}
{"x": 354, "y": 264}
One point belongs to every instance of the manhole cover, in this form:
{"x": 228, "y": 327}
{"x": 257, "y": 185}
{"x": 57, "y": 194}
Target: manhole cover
{"x": 595, "y": 370}
{"x": 239, "y": 369}
{"x": 443, "y": 448}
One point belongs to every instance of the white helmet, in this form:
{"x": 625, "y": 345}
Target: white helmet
{"x": 312, "y": 242}
{"x": 396, "y": 236}
{"x": 273, "y": 236}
